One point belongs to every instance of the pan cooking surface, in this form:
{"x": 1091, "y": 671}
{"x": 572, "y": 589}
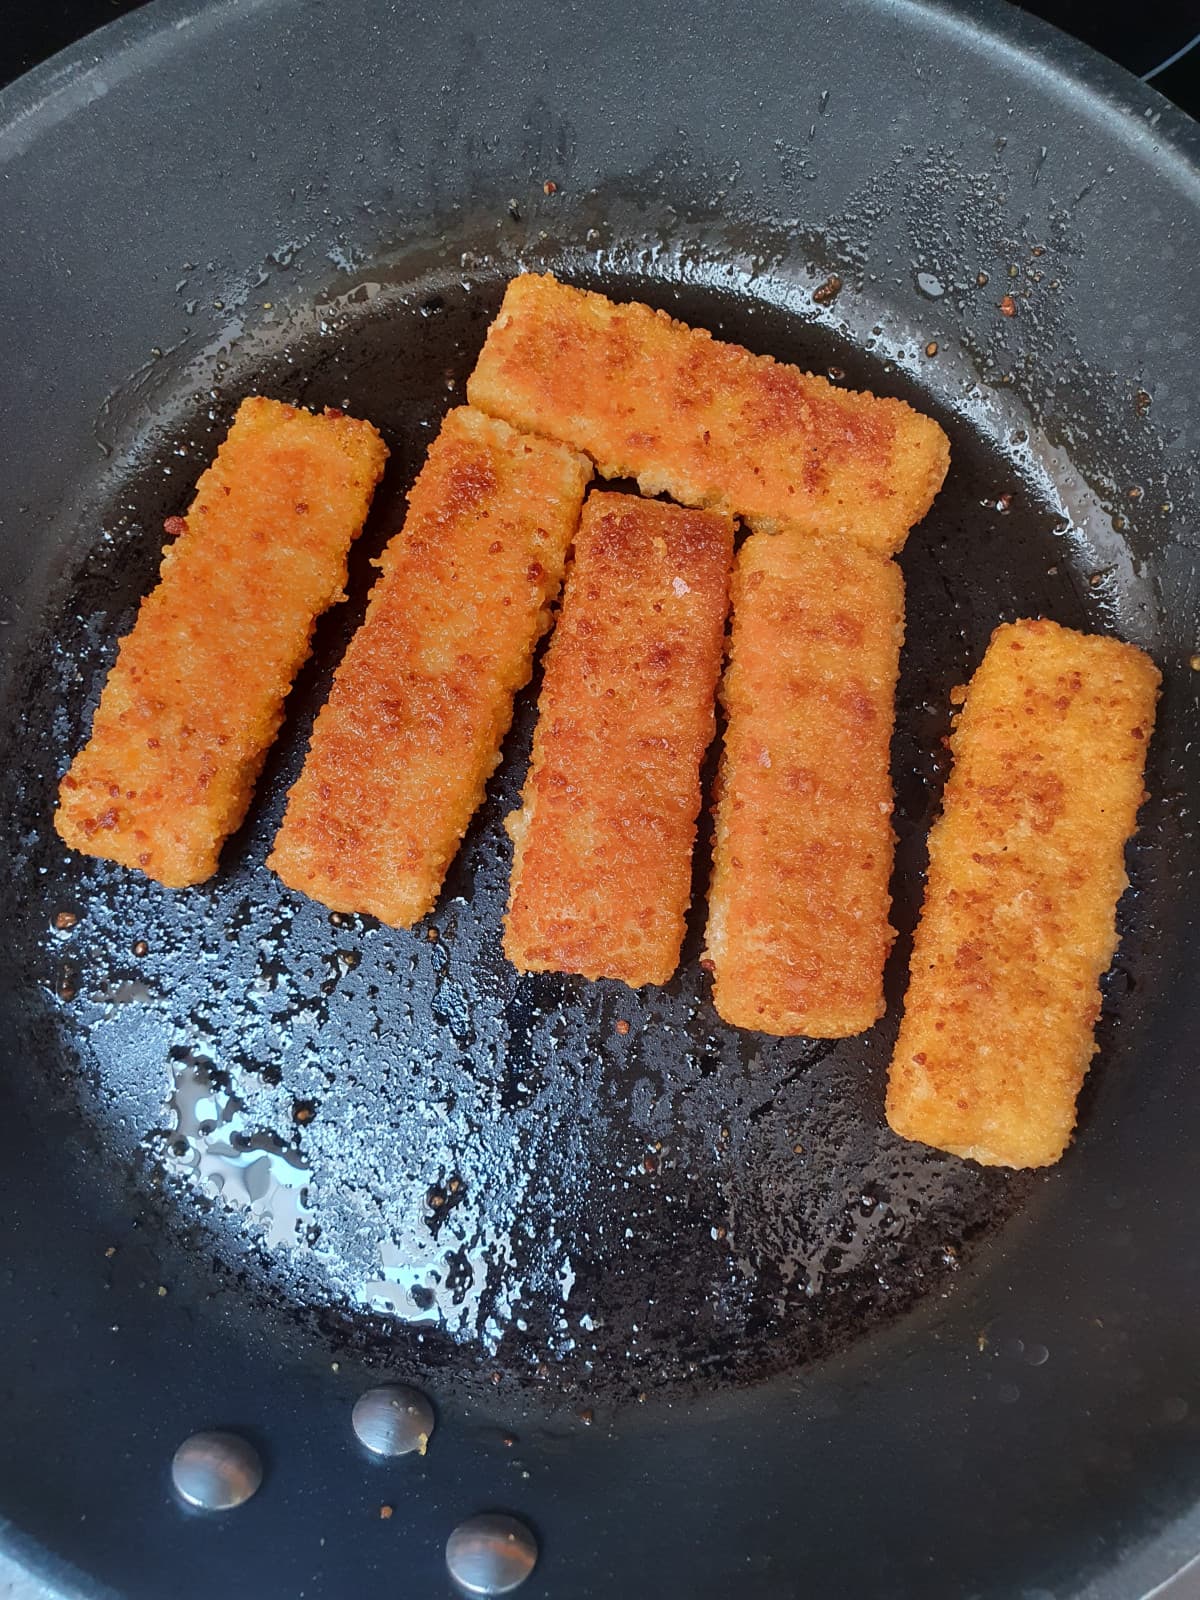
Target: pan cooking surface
{"x": 433, "y": 1156}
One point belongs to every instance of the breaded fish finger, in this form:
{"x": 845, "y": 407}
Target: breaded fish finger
{"x": 196, "y": 695}
{"x": 601, "y": 875}
{"x": 707, "y": 422}
{"x": 1026, "y": 866}
{"x": 798, "y": 929}
{"x": 411, "y": 732}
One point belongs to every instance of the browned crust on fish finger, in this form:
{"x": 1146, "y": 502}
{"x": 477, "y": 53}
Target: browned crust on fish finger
{"x": 603, "y": 841}
{"x": 798, "y": 929}
{"x": 707, "y": 422}
{"x": 197, "y": 692}
{"x": 411, "y": 732}
{"x": 1026, "y": 866}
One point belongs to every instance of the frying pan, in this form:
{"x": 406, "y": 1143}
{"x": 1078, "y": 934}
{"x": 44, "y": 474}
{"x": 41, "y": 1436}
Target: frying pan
{"x": 680, "y": 1299}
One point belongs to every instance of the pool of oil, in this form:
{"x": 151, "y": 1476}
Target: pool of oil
{"x": 392, "y": 1133}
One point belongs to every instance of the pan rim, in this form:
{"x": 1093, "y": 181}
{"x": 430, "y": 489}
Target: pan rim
{"x": 39, "y": 99}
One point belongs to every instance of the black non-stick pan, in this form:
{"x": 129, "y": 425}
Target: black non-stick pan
{"x": 682, "y": 1302}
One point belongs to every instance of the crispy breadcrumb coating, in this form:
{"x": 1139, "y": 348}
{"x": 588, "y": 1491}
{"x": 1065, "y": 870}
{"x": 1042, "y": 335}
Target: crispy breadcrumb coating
{"x": 197, "y": 692}
{"x": 707, "y": 422}
{"x": 798, "y": 929}
{"x": 411, "y": 732}
{"x": 601, "y": 876}
{"x": 1026, "y": 866}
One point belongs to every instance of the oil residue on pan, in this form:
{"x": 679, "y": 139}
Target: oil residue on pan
{"x": 412, "y": 1142}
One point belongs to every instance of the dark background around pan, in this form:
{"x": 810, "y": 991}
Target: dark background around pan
{"x": 1140, "y": 37}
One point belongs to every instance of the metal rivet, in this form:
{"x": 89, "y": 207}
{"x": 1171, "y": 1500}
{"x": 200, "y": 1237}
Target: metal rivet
{"x": 216, "y": 1471}
{"x": 393, "y": 1420}
{"x": 491, "y": 1554}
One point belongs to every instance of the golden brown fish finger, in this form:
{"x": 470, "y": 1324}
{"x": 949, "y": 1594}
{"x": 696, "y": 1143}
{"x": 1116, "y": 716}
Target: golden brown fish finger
{"x": 196, "y": 695}
{"x": 798, "y": 929}
{"x": 707, "y": 422}
{"x": 411, "y": 732}
{"x": 1026, "y": 866}
{"x": 601, "y": 875}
